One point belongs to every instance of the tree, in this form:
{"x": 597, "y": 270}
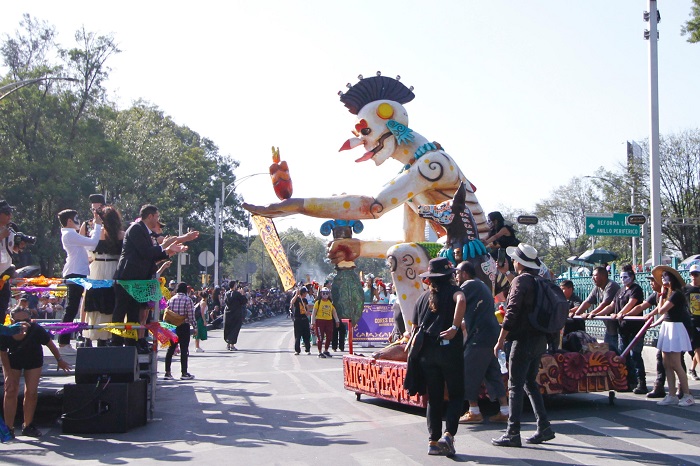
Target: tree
{"x": 306, "y": 254}
{"x": 692, "y": 26}
{"x": 45, "y": 162}
{"x": 562, "y": 217}
{"x": 60, "y": 142}
{"x": 680, "y": 190}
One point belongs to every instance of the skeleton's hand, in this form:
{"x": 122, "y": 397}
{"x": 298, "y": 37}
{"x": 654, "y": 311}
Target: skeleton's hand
{"x": 346, "y": 249}
{"x": 278, "y": 209}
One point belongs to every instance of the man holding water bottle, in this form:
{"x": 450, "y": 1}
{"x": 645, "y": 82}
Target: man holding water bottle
{"x": 480, "y": 364}
{"x": 527, "y": 347}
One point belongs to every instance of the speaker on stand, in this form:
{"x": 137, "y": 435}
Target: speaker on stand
{"x": 108, "y": 396}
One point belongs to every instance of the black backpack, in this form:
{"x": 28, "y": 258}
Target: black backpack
{"x": 551, "y": 307}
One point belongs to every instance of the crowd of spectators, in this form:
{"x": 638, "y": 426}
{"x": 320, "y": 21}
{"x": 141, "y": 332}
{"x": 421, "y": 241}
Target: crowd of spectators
{"x": 262, "y": 303}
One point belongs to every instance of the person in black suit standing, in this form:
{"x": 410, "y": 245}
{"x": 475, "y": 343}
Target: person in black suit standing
{"x": 137, "y": 261}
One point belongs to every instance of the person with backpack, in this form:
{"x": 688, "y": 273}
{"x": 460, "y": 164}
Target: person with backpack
{"x": 527, "y": 347}
{"x": 234, "y": 313}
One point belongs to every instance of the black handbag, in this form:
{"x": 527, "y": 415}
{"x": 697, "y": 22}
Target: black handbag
{"x": 415, "y": 343}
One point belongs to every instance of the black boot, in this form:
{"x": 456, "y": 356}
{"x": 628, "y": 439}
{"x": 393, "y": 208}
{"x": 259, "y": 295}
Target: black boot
{"x": 541, "y": 436}
{"x": 641, "y": 387}
{"x": 658, "y": 391}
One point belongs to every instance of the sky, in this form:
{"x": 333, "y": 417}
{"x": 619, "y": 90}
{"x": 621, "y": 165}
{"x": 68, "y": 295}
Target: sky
{"x": 523, "y": 95}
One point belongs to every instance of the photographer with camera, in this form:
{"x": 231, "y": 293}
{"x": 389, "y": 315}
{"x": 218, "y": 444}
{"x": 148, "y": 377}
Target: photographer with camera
{"x": 11, "y": 242}
{"x": 97, "y": 204}
{"x": 77, "y": 264}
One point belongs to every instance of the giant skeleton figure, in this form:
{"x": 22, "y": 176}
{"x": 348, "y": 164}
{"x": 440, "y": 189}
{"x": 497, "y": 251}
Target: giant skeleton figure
{"x": 429, "y": 177}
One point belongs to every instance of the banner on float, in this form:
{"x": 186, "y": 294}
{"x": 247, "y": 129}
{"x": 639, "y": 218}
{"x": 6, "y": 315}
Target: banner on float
{"x": 376, "y": 324}
{"x": 271, "y": 240}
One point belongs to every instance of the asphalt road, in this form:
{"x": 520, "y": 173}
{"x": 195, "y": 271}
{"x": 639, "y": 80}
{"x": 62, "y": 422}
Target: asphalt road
{"x": 262, "y": 405}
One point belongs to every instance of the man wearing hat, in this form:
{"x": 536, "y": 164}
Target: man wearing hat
{"x": 7, "y": 246}
{"x": 526, "y": 349}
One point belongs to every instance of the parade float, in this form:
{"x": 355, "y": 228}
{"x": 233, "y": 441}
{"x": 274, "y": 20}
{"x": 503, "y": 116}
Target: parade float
{"x": 430, "y": 187}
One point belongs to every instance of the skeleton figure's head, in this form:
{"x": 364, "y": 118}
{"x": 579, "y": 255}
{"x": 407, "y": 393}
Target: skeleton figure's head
{"x": 382, "y": 120}
{"x": 373, "y": 132}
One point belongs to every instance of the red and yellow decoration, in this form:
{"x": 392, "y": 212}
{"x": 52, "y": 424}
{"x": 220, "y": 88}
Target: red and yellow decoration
{"x": 281, "y": 179}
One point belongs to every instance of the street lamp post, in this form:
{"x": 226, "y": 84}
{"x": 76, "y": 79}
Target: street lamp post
{"x": 218, "y": 227}
{"x": 653, "y": 17}
{"x": 17, "y": 85}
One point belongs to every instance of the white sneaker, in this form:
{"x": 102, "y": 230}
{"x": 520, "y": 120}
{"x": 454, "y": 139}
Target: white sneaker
{"x": 686, "y": 400}
{"x": 668, "y": 400}
{"x": 198, "y": 350}
{"x": 68, "y": 349}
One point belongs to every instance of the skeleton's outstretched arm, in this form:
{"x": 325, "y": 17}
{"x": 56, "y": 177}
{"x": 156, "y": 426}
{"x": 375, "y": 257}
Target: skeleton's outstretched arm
{"x": 358, "y": 207}
{"x": 340, "y": 207}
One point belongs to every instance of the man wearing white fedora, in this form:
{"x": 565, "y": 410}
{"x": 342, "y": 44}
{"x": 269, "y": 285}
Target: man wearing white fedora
{"x": 526, "y": 349}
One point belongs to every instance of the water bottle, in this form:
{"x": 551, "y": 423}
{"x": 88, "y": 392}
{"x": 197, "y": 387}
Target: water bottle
{"x": 502, "y": 361}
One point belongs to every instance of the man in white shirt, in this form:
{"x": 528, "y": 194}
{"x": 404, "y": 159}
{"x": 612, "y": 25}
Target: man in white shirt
{"x": 7, "y": 244}
{"x": 77, "y": 264}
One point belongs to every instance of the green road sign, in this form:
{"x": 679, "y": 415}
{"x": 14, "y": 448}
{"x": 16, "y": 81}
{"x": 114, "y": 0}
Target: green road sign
{"x": 610, "y": 225}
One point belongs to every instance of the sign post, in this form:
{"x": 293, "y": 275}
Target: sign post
{"x": 613, "y": 224}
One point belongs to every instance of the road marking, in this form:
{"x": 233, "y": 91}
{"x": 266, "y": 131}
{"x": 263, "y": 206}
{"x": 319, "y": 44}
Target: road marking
{"x": 668, "y": 420}
{"x": 382, "y": 456}
{"x": 665, "y": 446}
{"x": 480, "y": 452}
{"x": 588, "y": 454}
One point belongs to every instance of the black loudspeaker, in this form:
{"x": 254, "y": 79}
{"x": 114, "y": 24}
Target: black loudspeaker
{"x": 119, "y": 364}
{"x": 104, "y": 408}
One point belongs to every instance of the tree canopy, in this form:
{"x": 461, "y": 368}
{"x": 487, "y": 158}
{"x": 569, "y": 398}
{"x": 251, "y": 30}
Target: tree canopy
{"x": 63, "y": 139}
{"x": 692, "y": 26}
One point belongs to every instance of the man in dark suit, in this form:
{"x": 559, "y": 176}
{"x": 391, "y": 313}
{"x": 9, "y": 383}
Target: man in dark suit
{"x": 138, "y": 261}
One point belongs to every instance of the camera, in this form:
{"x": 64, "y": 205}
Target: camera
{"x": 19, "y": 236}
{"x": 22, "y": 238}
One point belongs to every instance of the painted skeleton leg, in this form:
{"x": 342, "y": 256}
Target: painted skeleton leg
{"x": 406, "y": 261}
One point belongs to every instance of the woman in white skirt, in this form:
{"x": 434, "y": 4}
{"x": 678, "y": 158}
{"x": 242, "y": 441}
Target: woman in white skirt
{"x": 674, "y": 340}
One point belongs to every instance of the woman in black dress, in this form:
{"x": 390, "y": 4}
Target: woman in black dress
{"x": 440, "y": 311}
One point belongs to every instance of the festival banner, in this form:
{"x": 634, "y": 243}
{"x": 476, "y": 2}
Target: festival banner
{"x": 271, "y": 240}
{"x": 375, "y": 325}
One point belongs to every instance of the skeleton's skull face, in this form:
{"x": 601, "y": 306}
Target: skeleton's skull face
{"x": 371, "y": 128}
